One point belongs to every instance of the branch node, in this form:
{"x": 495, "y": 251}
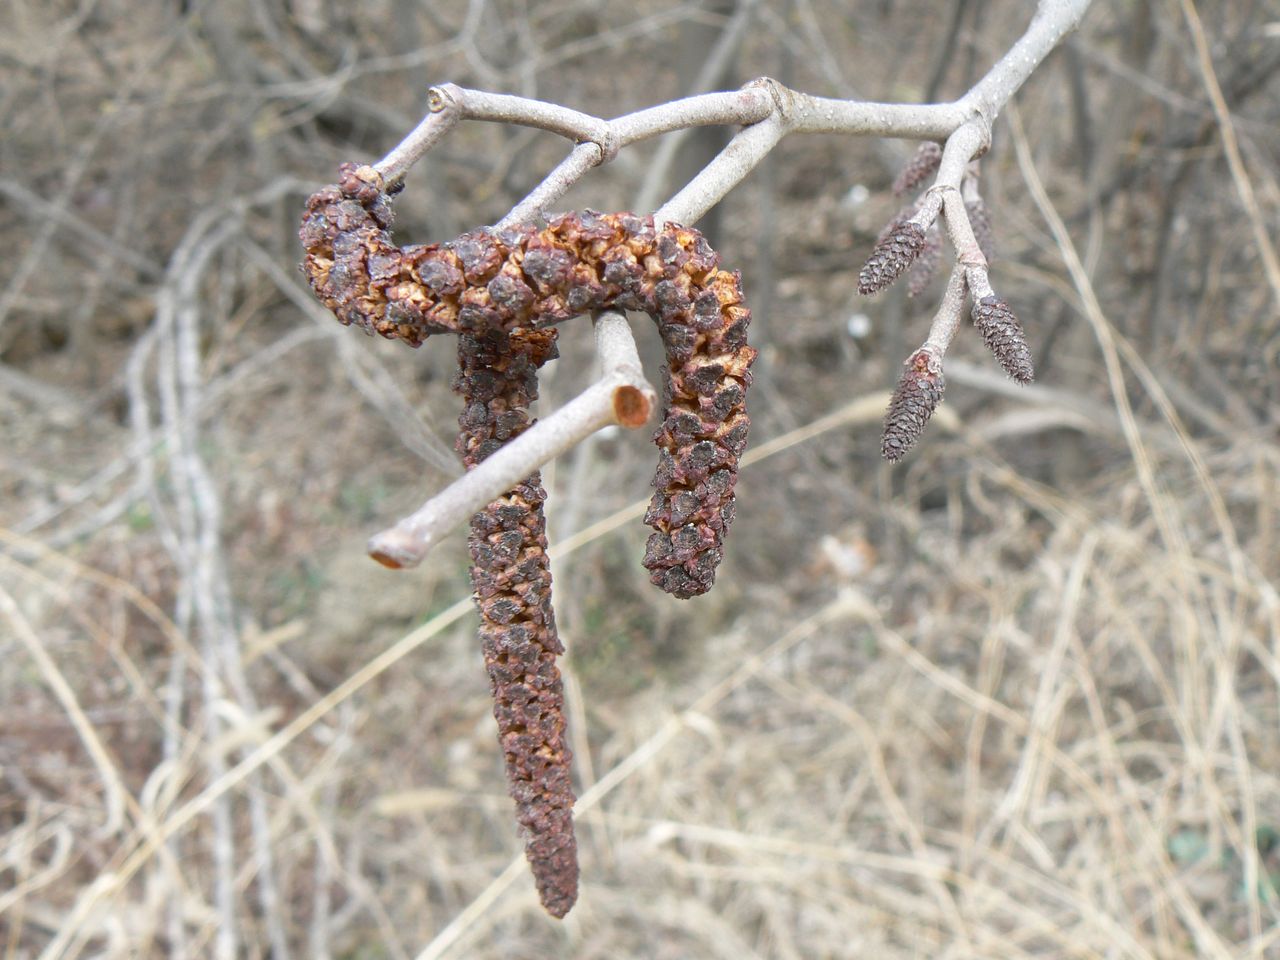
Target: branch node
{"x": 784, "y": 98}
{"x": 609, "y": 143}
{"x": 444, "y": 97}
{"x": 631, "y": 406}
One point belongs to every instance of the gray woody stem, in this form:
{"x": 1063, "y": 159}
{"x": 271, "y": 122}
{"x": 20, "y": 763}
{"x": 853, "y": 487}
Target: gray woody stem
{"x": 947, "y": 319}
{"x": 768, "y": 111}
{"x": 621, "y": 396}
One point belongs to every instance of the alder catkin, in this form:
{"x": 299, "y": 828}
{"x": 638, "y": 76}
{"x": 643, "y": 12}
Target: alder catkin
{"x": 511, "y": 576}
{"x": 980, "y": 221}
{"x": 926, "y": 265}
{"x": 524, "y": 277}
{"x": 917, "y": 395}
{"x": 921, "y": 165}
{"x": 1002, "y": 333}
{"x": 896, "y": 250}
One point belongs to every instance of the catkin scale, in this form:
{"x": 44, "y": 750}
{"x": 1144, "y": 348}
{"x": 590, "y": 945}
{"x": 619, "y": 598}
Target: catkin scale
{"x": 921, "y": 272}
{"x": 525, "y": 277}
{"x": 922, "y": 163}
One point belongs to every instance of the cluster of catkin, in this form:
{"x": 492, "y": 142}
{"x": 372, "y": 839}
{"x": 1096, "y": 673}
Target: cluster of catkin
{"x": 501, "y": 292}
{"x": 911, "y": 244}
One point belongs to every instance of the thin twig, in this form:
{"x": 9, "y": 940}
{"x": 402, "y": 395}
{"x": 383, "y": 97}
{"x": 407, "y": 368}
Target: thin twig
{"x": 772, "y": 111}
{"x": 947, "y": 320}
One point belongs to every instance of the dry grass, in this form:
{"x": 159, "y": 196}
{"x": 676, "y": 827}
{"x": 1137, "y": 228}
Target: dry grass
{"x": 1016, "y": 697}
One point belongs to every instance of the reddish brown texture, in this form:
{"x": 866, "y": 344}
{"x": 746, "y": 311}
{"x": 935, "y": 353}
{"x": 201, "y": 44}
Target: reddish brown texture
{"x": 921, "y": 165}
{"x": 527, "y": 278}
{"x": 923, "y": 269}
{"x": 896, "y": 250}
{"x": 511, "y": 574}
{"x": 1002, "y": 333}
{"x": 918, "y": 394}
{"x": 500, "y": 291}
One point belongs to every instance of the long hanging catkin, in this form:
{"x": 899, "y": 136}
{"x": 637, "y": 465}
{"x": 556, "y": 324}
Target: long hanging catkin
{"x": 511, "y": 573}
{"x": 528, "y": 278}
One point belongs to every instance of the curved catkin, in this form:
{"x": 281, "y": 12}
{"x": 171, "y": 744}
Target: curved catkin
{"x": 526, "y": 278}
{"x": 511, "y": 574}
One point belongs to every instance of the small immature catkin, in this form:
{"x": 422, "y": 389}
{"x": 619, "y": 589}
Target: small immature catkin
{"x": 1002, "y": 333}
{"x": 918, "y": 394}
{"x": 921, "y": 165}
{"x": 895, "y": 251}
{"x": 980, "y": 221}
{"x": 922, "y": 270}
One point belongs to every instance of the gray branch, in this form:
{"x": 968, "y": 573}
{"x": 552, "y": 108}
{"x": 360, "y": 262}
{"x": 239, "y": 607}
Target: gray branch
{"x": 768, "y": 111}
{"x": 947, "y": 320}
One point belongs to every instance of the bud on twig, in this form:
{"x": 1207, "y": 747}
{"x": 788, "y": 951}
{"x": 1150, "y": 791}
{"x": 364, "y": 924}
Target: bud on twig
{"x": 918, "y": 394}
{"x": 1002, "y": 333}
{"x": 893, "y": 253}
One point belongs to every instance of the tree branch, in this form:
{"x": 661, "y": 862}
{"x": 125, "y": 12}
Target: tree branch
{"x": 621, "y": 396}
{"x": 766, "y": 102}
{"x": 768, "y": 111}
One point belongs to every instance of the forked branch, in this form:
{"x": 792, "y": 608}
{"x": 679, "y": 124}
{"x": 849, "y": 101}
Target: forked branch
{"x": 500, "y": 291}
{"x": 768, "y": 111}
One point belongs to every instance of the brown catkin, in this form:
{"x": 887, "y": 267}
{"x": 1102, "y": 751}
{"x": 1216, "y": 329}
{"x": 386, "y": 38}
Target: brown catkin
{"x": 980, "y": 221}
{"x": 527, "y": 278}
{"x": 511, "y": 574}
{"x": 918, "y": 394}
{"x": 896, "y": 250}
{"x": 922, "y": 163}
{"x": 923, "y": 269}
{"x": 1002, "y": 333}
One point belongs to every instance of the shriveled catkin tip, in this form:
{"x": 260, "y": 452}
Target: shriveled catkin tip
{"x": 926, "y": 159}
{"x": 918, "y": 394}
{"x": 1002, "y": 333}
{"x": 894, "y": 252}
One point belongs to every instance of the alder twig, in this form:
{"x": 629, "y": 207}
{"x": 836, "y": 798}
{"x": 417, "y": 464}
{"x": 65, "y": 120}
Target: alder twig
{"x": 762, "y": 103}
{"x": 621, "y": 396}
{"x": 501, "y": 291}
{"x": 771, "y": 111}
{"x": 448, "y": 104}
{"x": 947, "y": 320}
